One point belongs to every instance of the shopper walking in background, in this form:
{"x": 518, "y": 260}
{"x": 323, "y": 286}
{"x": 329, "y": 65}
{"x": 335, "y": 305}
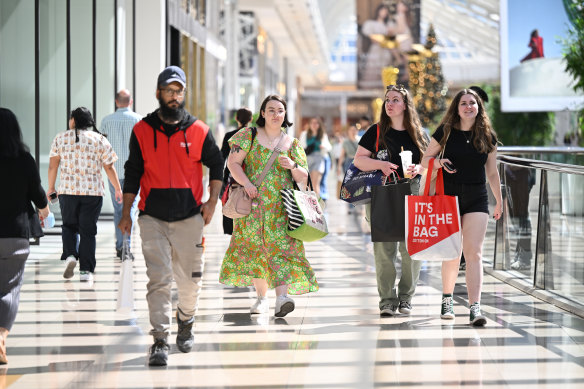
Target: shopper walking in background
{"x": 80, "y": 153}
{"x": 118, "y": 129}
{"x": 243, "y": 118}
{"x": 316, "y": 145}
{"x": 470, "y": 159}
{"x": 168, "y": 149}
{"x": 18, "y": 169}
{"x": 348, "y": 150}
{"x": 399, "y": 129}
{"x": 261, "y": 253}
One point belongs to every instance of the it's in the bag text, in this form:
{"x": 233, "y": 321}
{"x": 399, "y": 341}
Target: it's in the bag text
{"x": 426, "y": 222}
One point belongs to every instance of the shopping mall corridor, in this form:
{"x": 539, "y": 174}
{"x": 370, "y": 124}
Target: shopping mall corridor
{"x": 68, "y": 334}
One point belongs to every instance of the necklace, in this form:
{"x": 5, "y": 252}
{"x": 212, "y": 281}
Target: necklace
{"x": 464, "y": 134}
{"x": 272, "y": 140}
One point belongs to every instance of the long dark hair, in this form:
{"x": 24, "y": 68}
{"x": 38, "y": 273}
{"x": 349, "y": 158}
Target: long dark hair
{"x": 261, "y": 122}
{"x": 411, "y": 123}
{"x": 481, "y": 131}
{"x": 379, "y": 8}
{"x": 320, "y": 131}
{"x": 11, "y": 143}
{"x": 83, "y": 119}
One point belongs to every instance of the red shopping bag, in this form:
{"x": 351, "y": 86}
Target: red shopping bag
{"x": 433, "y": 231}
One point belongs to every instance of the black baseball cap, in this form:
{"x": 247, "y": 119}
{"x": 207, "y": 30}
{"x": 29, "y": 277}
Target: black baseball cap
{"x": 172, "y": 74}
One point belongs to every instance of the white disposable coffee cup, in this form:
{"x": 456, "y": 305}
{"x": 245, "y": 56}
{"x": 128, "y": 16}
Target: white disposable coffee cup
{"x": 406, "y": 158}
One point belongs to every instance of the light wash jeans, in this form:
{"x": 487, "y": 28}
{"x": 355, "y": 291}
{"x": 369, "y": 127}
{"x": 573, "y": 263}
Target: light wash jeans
{"x": 118, "y": 214}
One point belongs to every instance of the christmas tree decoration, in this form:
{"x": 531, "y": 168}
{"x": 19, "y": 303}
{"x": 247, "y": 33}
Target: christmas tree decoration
{"x": 427, "y": 84}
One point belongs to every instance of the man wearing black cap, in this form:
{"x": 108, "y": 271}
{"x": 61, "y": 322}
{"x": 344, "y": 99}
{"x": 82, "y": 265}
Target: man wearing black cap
{"x": 167, "y": 150}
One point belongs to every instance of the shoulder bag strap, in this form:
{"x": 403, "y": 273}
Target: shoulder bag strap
{"x": 377, "y": 140}
{"x": 270, "y": 162}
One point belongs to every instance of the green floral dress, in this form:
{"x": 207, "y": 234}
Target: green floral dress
{"x": 260, "y": 247}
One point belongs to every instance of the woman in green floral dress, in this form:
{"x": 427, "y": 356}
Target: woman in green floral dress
{"x": 261, "y": 253}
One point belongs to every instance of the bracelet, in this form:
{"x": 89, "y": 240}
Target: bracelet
{"x": 440, "y": 163}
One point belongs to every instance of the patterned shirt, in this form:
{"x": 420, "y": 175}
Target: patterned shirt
{"x": 81, "y": 162}
{"x": 118, "y": 128}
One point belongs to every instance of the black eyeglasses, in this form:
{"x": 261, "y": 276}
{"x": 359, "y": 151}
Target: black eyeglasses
{"x": 170, "y": 92}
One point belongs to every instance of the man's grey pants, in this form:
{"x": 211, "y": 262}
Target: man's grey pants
{"x": 172, "y": 249}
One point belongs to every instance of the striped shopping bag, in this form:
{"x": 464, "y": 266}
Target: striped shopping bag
{"x": 306, "y": 220}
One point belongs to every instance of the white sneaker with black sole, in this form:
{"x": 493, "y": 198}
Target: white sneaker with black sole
{"x": 70, "y": 264}
{"x": 284, "y": 305}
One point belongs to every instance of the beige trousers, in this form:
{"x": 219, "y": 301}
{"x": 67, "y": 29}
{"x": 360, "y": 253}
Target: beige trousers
{"x": 172, "y": 249}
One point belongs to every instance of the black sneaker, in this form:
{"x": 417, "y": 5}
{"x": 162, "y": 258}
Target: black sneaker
{"x": 405, "y": 307}
{"x": 119, "y": 254}
{"x": 185, "y": 338}
{"x": 388, "y": 310}
{"x": 476, "y": 318}
{"x": 159, "y": 353}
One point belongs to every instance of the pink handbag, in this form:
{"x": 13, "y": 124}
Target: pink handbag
{"x": 238, "y": 202}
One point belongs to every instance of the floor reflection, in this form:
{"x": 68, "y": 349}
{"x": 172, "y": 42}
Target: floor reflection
{"x": 68, "y": 334}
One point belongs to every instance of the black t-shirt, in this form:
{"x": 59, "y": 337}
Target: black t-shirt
{"x": 394, "y": 140}
{"x": 468, "y": 162}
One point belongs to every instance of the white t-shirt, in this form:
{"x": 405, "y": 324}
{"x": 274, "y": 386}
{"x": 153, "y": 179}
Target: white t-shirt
{"x": 81, "y": 162}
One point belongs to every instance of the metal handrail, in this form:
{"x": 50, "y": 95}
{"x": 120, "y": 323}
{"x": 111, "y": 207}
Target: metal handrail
{"x": 543, "y": 278}
{"x": 508, "y": 150}
{"x": 538, "y": 164}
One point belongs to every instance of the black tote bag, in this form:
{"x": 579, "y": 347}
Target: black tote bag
{"x": 388, "y": 210}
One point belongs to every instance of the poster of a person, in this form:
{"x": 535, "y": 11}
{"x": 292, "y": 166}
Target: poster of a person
{"x": 385, "y": 39}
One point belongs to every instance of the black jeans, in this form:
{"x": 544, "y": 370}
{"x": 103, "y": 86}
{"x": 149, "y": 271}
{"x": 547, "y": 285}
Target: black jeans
{"x": 80, "y": 215}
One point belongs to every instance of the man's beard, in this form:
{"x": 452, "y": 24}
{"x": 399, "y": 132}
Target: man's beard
{"x": 171, "y": 114}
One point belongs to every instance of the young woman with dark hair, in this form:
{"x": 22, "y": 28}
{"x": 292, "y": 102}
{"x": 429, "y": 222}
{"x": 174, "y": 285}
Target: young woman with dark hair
{"x": 470, "y": 159}
{"x": 399, "y": 129}
{"x": 316, "y": 145}
{"x": 81, "y": 154}
{"x": 261, "y": 253}
{"x": 243, "y": 117}
{"x": 18, "y": 168}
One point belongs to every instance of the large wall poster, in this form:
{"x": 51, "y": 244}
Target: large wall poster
{"x": 533, "y": 75}
{"x": 387, "y": 31}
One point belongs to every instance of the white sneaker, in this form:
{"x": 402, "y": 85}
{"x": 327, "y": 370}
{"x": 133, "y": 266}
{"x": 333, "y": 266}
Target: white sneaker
{"x": 261, "y": 305}
{"x": 70, "y": 264}
{"x": 284, "y": 305}
{"x": 86, "y": 276}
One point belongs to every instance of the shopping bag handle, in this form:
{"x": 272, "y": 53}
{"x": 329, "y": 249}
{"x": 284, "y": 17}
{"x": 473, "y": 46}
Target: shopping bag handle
{"x": 308, "y": 185}
{"x": 393, "y": 178}
{"x": 439, "y": 179}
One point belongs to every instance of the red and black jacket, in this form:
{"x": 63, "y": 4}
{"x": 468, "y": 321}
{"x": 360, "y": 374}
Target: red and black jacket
{"x": 166, "y": 164}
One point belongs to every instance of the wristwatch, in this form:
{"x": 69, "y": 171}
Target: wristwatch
{"x": 295, "y": 165}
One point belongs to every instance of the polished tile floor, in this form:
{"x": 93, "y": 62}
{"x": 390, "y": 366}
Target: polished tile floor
{"x": 68, "y": 334}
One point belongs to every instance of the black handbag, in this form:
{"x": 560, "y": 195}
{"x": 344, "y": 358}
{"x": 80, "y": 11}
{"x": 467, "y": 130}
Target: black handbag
{"x": 388, "y": 217}
{"x": 35, "y": 230}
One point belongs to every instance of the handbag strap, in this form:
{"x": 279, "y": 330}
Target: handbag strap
{"x": 377, "y": 140}
{"x": 439, "y": 179}
{"x": 270, "y": 162}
